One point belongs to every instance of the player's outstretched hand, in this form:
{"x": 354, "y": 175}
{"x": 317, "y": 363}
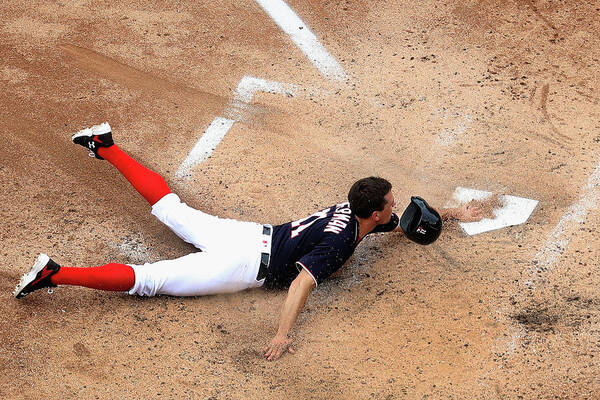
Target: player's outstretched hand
{"x": 278, "y": 346}
{"x": 470, "y": 212}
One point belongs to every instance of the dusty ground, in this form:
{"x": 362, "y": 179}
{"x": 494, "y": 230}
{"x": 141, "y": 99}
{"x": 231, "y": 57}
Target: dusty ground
{"x": 495, "y": 95}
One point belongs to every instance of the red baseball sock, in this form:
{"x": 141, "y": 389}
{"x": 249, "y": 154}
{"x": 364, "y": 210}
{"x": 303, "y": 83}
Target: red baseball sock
{"x": 148, "y": 183}
{"x": 113, "y": 277}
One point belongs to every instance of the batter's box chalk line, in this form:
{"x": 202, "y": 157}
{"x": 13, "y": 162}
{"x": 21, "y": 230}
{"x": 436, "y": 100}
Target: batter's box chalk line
{"x": 243, "y": 95}
{"x": 304, "y": 38}
{"x": 514, "y": 210}
{"x": 575, "y": 215}
{"x": 306, "y": 41}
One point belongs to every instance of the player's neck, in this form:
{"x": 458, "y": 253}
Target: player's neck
{"x": 365, "y": 225}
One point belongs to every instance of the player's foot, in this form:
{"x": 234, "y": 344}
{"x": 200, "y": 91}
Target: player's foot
{"x": 94, "y": 137}
{"x": 38, "y": 277}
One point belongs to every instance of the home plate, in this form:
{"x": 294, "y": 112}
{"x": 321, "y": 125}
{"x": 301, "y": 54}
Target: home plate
{"x": 514, "y": 210}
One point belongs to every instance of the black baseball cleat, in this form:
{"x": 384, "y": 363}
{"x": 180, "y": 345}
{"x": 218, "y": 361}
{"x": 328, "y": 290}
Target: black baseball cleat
{"x": 94, "y": 137}
{"x": 38, "y": 277}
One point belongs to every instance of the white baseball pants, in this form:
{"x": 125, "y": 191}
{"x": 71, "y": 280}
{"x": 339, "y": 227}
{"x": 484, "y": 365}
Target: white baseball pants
{"x": 229, "y": 260}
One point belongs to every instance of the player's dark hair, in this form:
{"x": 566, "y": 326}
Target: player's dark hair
{"x": 367, "y": 196}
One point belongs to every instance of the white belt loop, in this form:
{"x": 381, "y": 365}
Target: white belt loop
{"x": 265, "y": 240}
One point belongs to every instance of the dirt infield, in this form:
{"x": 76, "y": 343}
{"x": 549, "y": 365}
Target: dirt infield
{"x": 502, "y": 96}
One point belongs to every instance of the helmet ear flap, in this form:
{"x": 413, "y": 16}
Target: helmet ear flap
{"x": 421, "y": 223}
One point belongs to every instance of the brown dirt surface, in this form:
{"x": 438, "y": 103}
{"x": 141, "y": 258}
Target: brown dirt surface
{"x": 501, "y": 96}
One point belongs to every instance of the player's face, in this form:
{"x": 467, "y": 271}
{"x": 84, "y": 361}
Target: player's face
{"x": 386, "y": 213}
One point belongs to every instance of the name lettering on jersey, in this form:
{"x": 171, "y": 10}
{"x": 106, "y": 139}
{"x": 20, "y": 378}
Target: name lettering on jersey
{"x": 340, "y": 218}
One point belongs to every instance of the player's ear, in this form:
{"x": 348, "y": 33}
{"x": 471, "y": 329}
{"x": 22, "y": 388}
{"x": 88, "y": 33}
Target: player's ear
{"x": 375, "y": 216}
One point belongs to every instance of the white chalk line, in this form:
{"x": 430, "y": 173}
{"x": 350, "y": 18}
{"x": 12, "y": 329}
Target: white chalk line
{"x": 560, "y": 237}
{"x": 216, "y": 131}
{"x": 306, "y": 41}
{"x": 446, "y": 138}
{"x": 249, "y": 85}
{"x": 449, "y": 135}
{"x": 301, "y": 35}
{"x": 133, "y": 248}
{"x": 212, "y": 136}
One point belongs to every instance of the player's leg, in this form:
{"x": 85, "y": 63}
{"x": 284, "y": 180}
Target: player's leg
{"x": 197, "y": 274}
{"x": 206, "y": 232}
{"x": 194, "y": 226}
{"x": 46, "y": 273}
{"x": 98, "y": 139}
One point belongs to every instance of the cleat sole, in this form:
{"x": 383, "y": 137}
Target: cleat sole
{"x": 29, "y": 277}
{"x": 92, "y": 131}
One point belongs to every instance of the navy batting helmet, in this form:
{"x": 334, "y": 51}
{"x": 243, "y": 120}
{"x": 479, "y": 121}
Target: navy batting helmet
{"x": 420, "y": 222}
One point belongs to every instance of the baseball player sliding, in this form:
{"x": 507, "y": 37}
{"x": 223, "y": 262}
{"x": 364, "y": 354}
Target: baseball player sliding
{"x": 237, "y": 255}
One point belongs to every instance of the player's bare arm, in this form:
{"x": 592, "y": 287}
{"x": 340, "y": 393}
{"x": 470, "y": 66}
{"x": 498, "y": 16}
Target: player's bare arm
{"x": 294, "y": 302}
